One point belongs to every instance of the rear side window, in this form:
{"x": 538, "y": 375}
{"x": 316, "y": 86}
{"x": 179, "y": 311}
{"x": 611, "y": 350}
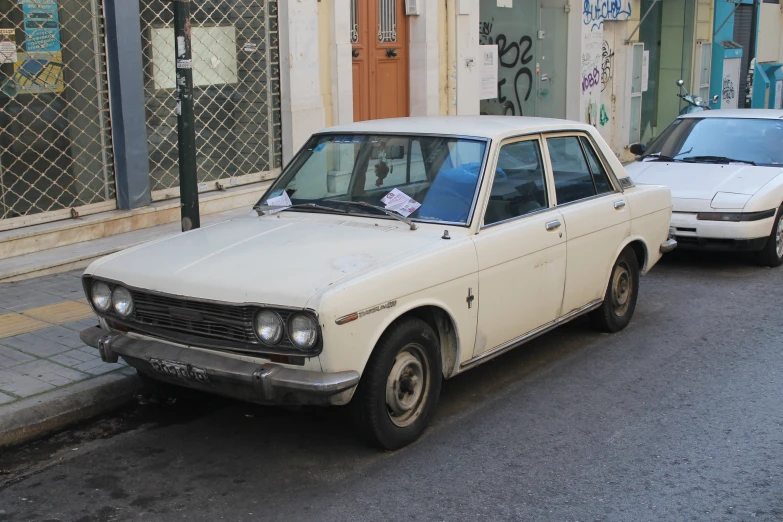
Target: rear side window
{"x": 573, "y": 179}
{"x": 600, "y": 178}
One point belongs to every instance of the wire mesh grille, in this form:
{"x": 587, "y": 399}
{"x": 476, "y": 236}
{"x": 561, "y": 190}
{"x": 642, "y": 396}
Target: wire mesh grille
{"x": 55, "y": 136}
{"x": 236, "y": 89}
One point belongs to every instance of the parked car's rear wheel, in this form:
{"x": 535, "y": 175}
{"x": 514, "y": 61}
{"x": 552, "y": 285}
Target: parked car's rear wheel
{"x": 772, "y": 253}
{"x": 616, "y": 311}
{"x": 400, "y": 385}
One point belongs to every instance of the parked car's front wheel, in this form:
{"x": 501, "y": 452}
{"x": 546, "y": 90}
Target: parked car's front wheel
{"x": 772, "y": 253}
{"x": 616, "y": 311}
{"x": 400, "y": 385}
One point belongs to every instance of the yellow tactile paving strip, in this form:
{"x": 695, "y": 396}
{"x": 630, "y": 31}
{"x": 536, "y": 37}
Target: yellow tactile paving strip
{"x": 38, "y": 318}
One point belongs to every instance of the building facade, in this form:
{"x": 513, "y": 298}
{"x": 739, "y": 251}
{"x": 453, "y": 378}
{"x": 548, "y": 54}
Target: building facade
{"x": 88, "y": 88}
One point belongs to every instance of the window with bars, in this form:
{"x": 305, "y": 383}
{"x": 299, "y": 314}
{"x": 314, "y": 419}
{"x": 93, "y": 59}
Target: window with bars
{"x": 387, "y": 21}
{"x": 55, "y": 131}
{"x": 705, "y": 69}
{"x": 236, "y": 91}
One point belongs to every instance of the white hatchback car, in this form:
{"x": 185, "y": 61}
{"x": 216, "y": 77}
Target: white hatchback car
{"x": 388, "y": 256}
{"x": 725, "y": 171}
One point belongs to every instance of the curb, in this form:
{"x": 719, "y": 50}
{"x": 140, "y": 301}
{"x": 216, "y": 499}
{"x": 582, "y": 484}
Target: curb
{"x": 30, "y": 418}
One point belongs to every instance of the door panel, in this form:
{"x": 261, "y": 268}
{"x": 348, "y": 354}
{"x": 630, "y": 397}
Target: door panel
{"x": 552, "y": 53}
{"x": 596, "y": 229}
{"x": 522, "y": 269}
{"x": 521, "y": 249}
{"x": 380, "y": 59}
{"x": 596, "y": 217}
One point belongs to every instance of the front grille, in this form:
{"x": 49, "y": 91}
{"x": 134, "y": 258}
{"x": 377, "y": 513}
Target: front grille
{"x": 188, "y": 319}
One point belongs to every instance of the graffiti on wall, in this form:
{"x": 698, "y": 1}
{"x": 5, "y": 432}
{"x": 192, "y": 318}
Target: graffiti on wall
{"x": 728, "y": 90}
{"x": 597, "y": 54}
{"x": 595, "y": 12}
{"x": 607, "y": 59}
{"x": 515, "y": 76}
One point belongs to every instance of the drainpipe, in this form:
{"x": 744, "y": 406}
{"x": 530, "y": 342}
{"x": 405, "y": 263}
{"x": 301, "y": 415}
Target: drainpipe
{"x": 451, "y": 45}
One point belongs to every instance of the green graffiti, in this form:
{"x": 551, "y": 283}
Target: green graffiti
{"x": 604, "y": 116}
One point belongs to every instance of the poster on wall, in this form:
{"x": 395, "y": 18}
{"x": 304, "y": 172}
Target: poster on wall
{"x": 8, "y": 46}
{"x": 645, "y": 70}
{"x": 779, "y": 94}
{"x": 39, "y": 73}
{"x": 214, "y": 56}
{"x": 489, "y": 72}
{"x": 41, "y": 26}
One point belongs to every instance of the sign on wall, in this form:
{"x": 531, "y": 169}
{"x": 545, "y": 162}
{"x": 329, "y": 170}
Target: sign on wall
{"x": 8, "y": 46}
{"x": 214, "y": 56}
{"x": 489, "y": 72}
{"x": 41, "y": 26}
{"x": 645, "y": 70}
{"x": 779, "y": 94}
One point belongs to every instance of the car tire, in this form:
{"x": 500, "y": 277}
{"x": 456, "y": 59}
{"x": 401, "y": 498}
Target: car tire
{"x": 619, "y": 303}
{"x": 400, "y": 386}
{"x": 772, "y": 253}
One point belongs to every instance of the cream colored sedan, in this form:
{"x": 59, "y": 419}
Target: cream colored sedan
{"x": 389, "y": 255}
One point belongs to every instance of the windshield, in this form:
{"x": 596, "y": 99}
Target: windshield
{"x": 425, "y": 178}
{"x": 759, "y": 141}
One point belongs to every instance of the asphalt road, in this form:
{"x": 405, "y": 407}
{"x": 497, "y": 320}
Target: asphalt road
{"x": 679, "y": 417}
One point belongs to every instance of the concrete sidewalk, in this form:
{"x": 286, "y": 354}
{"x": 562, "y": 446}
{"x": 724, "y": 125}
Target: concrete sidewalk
{"x": 48, "y": 377}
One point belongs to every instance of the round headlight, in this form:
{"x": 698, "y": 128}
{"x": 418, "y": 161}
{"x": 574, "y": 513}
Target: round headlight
{"x": 269, "y": 327}
{"x": 122, "y": 300}
{"x": 101, "y": 296}
{"x": 303, "y": 331}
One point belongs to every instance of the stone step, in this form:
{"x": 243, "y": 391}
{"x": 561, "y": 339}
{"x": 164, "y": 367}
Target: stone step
{"x": 79, "y": 255}
{"x": 58, "y": 234}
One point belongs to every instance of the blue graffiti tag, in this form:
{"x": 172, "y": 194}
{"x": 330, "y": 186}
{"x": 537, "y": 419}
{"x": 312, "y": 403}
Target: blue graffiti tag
{"x": 594, "y": 12}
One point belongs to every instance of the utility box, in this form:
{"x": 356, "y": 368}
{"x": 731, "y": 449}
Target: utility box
{"x": 725, "y": 77}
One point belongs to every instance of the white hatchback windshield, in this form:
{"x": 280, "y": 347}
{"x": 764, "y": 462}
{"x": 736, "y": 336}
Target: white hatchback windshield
{"x": 720, "y": 140}
{"x": 423, "y": 178}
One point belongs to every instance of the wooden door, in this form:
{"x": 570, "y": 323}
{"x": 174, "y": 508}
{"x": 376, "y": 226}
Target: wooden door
{"x": 379, "y": 32}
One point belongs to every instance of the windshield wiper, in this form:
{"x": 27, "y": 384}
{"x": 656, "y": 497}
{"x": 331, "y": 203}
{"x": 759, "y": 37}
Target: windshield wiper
{"x": 716, "y": 159}
{"x": 387, "y": 212}
{"x": 313, "y": 206}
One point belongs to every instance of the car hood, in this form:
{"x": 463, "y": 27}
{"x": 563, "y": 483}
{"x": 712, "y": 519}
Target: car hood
{"x": 281, "y": 259}
{"x": 702, "y": 180}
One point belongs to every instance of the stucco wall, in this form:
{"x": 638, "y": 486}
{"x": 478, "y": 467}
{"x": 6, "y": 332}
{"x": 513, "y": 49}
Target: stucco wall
{"x": 770, "y": 40}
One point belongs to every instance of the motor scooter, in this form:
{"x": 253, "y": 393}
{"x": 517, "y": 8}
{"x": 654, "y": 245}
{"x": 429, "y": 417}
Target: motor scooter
{"x": 695, "y": 103}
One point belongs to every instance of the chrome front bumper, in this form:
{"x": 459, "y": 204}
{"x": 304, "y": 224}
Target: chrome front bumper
{"x": 266, "y": 383}
{"x": 668, "y": 245}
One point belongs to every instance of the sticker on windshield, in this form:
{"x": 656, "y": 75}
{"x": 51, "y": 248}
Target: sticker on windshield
{"x": 401, "y": 203}
{"x": 282, "y": 201}
{"x": 319, "y": 147}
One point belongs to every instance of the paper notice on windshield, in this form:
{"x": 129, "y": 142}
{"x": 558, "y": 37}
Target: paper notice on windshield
{"x": 282, "y": 201}
{"x": 401, "y": 203}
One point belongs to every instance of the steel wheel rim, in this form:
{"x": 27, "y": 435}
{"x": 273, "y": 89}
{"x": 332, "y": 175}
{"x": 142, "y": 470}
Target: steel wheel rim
{"x": 407, "y": 386}
{"x": 622, "y": 289}
{"x": 779, "y": 238}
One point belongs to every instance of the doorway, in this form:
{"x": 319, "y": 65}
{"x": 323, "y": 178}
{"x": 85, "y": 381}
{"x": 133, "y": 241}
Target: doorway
{"x": 532, "y": 54}
{"x": 379, "y": 37}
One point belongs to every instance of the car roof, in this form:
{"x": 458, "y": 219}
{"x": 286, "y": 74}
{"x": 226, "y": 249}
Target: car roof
{"x": 473, "y": 126}
{"x": 771, "y": 114}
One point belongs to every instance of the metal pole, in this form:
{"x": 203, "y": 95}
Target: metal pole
{"x": 186, "y": 129}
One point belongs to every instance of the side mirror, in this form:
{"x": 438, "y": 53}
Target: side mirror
{"x": 680, "y": 83}
{"x": 637, "y": 149}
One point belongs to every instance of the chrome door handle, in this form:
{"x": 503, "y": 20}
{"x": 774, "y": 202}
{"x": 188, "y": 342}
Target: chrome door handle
{"x": 619, "y": 204}
{"x": 553, "y": 225}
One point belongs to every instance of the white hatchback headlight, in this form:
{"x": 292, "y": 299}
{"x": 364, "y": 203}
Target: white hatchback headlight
{"x": 101, "y": 296}
{"x": 122, "y": 300}
{"x": 303, "y": 331}
{"x": 269, "y": 327}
